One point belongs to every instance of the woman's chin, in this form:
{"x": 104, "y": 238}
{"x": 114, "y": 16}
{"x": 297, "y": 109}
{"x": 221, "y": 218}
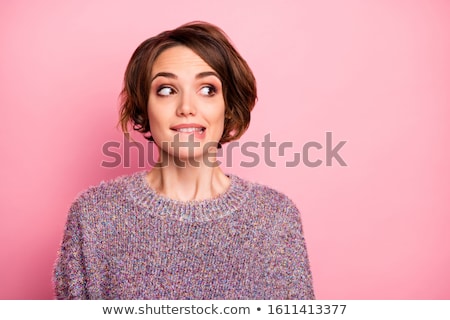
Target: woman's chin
{"x": 188, "y": 158}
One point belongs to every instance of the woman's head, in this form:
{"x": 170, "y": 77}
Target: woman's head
{"x": 212, "y": 45}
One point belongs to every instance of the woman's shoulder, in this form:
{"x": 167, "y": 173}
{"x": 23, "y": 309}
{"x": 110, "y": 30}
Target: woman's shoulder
{"x": 274, "y": 207}
{"x": 262, "y": 192}
{"x": 107, "y": 190}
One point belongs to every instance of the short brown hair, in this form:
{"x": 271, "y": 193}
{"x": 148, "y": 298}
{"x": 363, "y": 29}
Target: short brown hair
{"x": 213, "y": 46}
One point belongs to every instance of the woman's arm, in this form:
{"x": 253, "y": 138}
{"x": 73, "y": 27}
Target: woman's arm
{"x": 289, "y": 265}
{"x": 69, "y": 272}
{"x": 302, "y": 287}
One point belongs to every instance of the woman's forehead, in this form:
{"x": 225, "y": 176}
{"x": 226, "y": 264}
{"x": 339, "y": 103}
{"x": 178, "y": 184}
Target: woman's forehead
{"x": 179, "y": 59}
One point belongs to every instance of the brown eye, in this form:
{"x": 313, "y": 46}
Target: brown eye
{"x": 208, "y": 91}
{"x": 165, "y": 91}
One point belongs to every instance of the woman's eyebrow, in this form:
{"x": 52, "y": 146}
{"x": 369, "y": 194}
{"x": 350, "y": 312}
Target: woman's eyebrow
{"x": 206, "y": 74}
{"x": 174, "y": 76}
{"x": 164, "y": 74}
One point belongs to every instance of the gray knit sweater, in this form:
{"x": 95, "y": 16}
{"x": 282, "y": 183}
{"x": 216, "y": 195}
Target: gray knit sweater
{"x": 124, "y": 241}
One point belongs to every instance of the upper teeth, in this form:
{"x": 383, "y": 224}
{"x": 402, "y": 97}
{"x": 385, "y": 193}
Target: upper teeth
{"x": 189, "y": 129}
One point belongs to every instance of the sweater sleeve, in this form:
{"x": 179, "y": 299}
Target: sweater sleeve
{"x": 299, "y": 282}
{"x": 69, "y": 271}
{"x": 291, "y": 262}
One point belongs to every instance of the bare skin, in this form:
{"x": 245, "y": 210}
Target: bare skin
{"x": 186, "y": 103}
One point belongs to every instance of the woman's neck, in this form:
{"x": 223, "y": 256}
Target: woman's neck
{"x": 188, "y": 183}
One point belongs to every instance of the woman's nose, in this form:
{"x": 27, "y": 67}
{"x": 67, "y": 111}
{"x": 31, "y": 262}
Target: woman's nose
{"x": 186, "y": 105}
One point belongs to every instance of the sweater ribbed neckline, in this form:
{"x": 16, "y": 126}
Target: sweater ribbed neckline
{"x": 189, "y": 211}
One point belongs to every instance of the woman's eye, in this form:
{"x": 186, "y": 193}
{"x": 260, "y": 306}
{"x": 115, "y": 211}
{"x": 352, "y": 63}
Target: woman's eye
{"x": 165, "y": 91}
{"x": 208, "y": 91}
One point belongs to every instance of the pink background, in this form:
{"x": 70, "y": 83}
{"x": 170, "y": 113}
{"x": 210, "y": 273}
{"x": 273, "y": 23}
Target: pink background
{"x": 375, "y": 73}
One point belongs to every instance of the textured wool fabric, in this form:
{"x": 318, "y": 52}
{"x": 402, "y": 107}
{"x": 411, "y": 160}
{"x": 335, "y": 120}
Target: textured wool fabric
{"x": 124, "y": 241}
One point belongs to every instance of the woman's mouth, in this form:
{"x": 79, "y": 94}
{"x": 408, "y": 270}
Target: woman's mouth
{"x": 190, "y": 128}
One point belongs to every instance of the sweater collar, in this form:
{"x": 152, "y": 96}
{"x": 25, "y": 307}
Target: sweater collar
{"x": 189, "y": 211}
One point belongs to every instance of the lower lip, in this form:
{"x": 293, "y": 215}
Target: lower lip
{"x": 197, "y": 134}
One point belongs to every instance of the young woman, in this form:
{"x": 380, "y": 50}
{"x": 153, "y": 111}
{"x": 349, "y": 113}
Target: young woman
{"x": 184, "y": 229}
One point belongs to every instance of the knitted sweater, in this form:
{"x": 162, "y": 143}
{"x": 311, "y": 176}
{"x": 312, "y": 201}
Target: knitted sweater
{"x": 125, "y": 241}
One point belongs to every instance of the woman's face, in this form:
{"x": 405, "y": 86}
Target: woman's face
{"x": 186, "y": 106}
